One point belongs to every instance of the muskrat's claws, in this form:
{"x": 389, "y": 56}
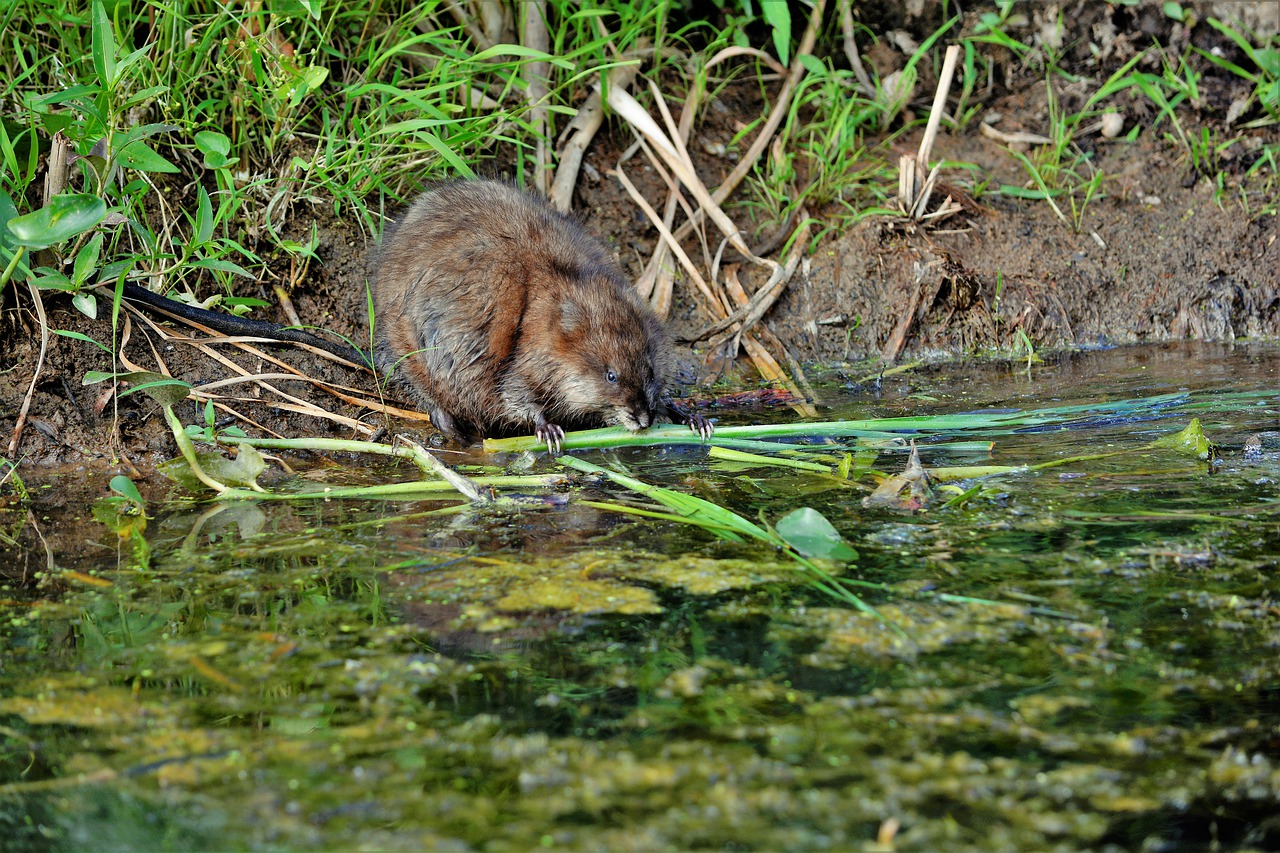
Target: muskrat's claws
{"x": 552, "y": 435}
{"x": 699, "y": 424}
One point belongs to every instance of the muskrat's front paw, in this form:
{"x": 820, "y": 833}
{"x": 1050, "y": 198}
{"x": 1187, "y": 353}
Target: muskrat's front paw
{"x": 552, "y": 435}
{"x": 700, "y": 425}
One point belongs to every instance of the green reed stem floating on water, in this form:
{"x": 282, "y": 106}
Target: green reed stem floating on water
{"x": 1080, "y": 416}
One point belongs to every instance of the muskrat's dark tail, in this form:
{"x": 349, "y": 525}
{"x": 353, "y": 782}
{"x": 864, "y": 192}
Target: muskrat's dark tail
{"x": 230, "y": 324}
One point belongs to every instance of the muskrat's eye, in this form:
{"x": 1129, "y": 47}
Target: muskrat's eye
{"x": 610, "y": 376}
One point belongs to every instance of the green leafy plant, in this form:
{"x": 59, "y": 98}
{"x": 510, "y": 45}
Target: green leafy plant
{"x": 1266, "y": 74}
{"x": 66, "y": 217}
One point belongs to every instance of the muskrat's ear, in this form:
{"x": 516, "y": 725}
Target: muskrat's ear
{"x": 571, "y": 315}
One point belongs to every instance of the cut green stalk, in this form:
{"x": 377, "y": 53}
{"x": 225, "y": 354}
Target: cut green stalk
{"x": 717, "y": 529}
{"x": 731, "y": 455}
{"x": 888, "y": 429}
{"x": 408, "y": 450}
{"x": 727, "y": 524}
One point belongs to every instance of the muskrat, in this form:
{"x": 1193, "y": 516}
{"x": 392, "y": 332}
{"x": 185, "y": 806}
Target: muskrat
{"x": 499, "y": 312}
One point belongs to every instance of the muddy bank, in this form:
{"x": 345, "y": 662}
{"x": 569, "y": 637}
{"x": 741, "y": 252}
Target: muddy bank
{"x": 1154, "y": 262}
{"x": 1161, "y": 249}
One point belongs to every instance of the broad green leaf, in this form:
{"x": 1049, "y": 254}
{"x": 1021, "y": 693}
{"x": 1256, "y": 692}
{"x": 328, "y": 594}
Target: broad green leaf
{"x": 241, "y": 471}
{"x": 1268, "y": 59}
{"x": 165, "y": 390}
{"x": 8, "y": 210}
{"x": 204, "y": 219}
{"x": 122, "y": 517}
{"x": 224, "y": 266}
{"x": 302, "y": 82}
{"x": 296, "y": 8}
{"x": 813, "y": 64}
{"x": 213, "y": 142}
{"x": 144, "y": 95}
{"x": 103, "y": 46}
{"x": 244, "y": 469}
{"x": 66, "y": 216}
{"x": 144, "y": 131}
{"x": 809, "y": 532}
{"x": 123, "y": 64}
{"x": 215, "y": 147}
{"x": 86, "y": 260}
{"x": 778, "y": 15}
{"x": 1191, "y": 441}
{"x": 122, "y": 485}
{"x": 86, "y": 303}
{"x": 141, "y": 156}
{"x": 52, "y": 280}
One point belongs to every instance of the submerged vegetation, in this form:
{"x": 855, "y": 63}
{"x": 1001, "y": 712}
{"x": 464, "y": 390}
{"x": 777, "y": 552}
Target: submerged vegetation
{"x": 1075, "y": 654}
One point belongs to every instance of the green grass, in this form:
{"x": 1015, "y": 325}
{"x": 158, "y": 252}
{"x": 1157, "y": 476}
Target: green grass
{"x": 216, "y": 136}
{"x": 209, "y": 131}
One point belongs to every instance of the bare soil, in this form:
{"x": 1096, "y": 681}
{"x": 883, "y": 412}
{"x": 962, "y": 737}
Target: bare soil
{"x": 1163, "y": 254}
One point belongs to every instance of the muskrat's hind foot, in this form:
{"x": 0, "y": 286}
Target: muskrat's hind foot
{"x": 443, "y": 421}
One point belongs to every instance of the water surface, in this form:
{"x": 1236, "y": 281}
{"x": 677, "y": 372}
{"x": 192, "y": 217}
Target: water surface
{"x": 370, "y": 675}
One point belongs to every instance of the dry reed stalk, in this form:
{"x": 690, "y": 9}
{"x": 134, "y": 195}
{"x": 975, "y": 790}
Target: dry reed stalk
{"x": 749, "y": 314}
{"x": 712, "y": 303}
{"x": 16, "y": 438}
{"x": 915, "y": 187}
{"x": 657, "y": 281}
{"x": 583, "y": 128}
{"x": 763, "y": 360}
{"x": 779, "y": 111}
{"x": 851, "y": 49}
{"x": 536, "y": 37}
{"x": 342, "y": 392}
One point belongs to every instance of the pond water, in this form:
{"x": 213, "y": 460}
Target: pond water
{"x": 1082, "y": 656}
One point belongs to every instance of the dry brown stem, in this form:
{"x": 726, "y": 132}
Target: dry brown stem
{"x": 536, "y": 37}
{"x": 764, "y": 362}
{"x": 478, "y": 36}
{"x": 914, "y": 187}
{"x": 749, "y": 314}
{"x": 771, "y": 124}
{"x": 851, "y": 49}
{"x": 583, "y": 129}
{"x": 16, "y": 438}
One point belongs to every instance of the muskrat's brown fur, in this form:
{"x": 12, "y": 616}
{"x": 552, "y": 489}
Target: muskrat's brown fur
{"x": 500, "y": 313}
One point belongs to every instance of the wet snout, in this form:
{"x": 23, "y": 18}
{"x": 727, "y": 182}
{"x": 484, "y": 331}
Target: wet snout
{"x": 636, "y": 418}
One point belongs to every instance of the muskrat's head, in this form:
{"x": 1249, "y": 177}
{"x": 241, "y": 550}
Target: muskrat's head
{"x": 613, "y": 353}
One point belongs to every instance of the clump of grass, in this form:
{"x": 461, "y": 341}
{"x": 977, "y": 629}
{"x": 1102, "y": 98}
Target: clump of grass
{"x": 211, "y": 135}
